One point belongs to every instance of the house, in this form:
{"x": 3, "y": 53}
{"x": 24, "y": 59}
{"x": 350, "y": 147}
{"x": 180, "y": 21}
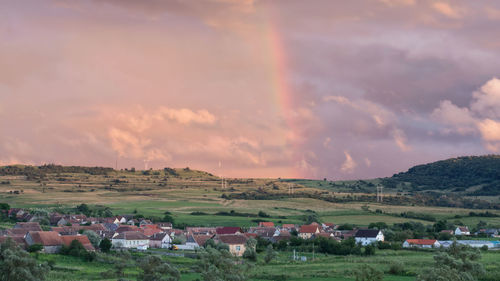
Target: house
{"x": 130, "y": 239}
{"x": 119, "y": 220}
{"x": 266, "y": 224}
{"x": 462, "y": 230}
{"x": 20, "y": 241}
{"x": 145, "y": 222}
{"x": 308, "y": 231}
{"x": 451, "y": 232}
{"x": 236, "y": 243}
{"x": 150, "y": 229}
{"x": 124, "y": 228}
{"x": 201, "y": 230}
{"x": 288, "y": 226}
{"x": 472, "y": 243}
{"x": 194, "y": 242}
{"x": 164, "y": 225}
{"x": 30, "y": 226}
{"x": 491, "y": 232}
{"x": 284, "y": 235}
{"x": 368, "y": 236}
{"x": 110, "y": 226}
{"x": 421, "y": 243}
{"x": 160, "y": 240}
{"x": 67, "y": 239}
{"x": 228, "y": 230}
{"x": 50, "y": 240}
{"x": 265, "y": 232}
{"x": 132, "y": 222}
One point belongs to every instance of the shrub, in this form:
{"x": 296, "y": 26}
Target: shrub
{"x": 396, "y": 268}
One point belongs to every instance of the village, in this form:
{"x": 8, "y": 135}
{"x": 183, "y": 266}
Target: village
{"x": 127, "y": 232}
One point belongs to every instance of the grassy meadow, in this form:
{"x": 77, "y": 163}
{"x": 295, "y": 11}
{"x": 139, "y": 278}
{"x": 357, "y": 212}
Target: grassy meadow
{"x": 323, "y": 267}
{"x": 152, "y": 193}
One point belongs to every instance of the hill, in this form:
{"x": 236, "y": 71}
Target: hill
{"x": 471, "y": 175}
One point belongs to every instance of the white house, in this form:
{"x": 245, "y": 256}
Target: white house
{"x": 368, "y": 236}
{"x": 421, "y": 243}
{"x": 130, "y": 239}
{"x": 462, "y": 230}
{"x": 160, "y": 240}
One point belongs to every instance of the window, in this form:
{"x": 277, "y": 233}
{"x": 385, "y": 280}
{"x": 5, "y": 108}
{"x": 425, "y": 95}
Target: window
{"x": 238, "y": 248}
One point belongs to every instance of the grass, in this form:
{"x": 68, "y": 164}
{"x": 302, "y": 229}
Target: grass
{"x": 323, "y": 267}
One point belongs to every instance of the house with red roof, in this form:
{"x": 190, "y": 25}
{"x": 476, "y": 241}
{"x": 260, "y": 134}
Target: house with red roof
{"x": 236, "y": 243}
{"x": 228, "y": 230}
{"x": 308, "y": 231}
{"x": 266, "y": 224}
{"x": 50, "y": 240}
{"x": 421, "y": 243}
{"x": 67, "y": 239}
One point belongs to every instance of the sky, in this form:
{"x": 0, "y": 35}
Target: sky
{"x": 249, "y": 88}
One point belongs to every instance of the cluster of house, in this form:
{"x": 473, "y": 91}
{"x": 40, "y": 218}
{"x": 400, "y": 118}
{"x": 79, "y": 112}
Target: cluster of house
{"x": 128, "y": 232}
{"x": 459, "y": 231}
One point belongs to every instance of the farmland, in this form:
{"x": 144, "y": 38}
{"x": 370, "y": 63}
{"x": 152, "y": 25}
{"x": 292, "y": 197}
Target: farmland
{"x": 183, "y": 191}
{"x": 323, "y": 267}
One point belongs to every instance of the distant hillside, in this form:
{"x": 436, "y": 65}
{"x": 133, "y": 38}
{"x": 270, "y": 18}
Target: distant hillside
{"x": 472, "y": 175}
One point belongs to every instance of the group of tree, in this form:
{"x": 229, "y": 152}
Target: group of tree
{"x": 17, "y": 265}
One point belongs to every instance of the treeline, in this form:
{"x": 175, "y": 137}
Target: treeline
{"x": 418, "y": 199}
{"x": 462, "y": 172}
{"x": 32, "y": 172}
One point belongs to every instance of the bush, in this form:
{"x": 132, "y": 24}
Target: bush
{"x": 396, "y": 268}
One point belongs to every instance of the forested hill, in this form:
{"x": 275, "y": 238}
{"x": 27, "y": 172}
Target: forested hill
{"x": 473, "y": 175}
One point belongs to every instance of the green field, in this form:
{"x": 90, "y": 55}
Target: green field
{"x": 323, "y": 267}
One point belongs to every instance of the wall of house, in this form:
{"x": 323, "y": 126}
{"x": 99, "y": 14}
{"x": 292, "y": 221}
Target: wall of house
{"x": 237, "y": 250}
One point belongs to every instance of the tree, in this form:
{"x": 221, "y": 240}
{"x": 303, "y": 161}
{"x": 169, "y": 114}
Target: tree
{"x": 17, "y": 265}
{"x": 369, "y": 250}
{"x": 368, "y": 273}
{"x": 94, "y": 238}
{"x": 217, "y": 265}
{"x": 105, "y": 245}
{"x": 76, "y": 249}
{"x": 250, "y": 252}
{"x": 270, "y": 254}
{"x": 35, "y": 248}
{"x": 156, "y": 269}
{"x": 84, "y": 209}
{"x": 168, "y": 218}
{"x": 457, "y": 263}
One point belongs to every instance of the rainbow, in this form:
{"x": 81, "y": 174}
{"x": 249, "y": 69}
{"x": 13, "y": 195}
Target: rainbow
{"x": 282, "y": 94}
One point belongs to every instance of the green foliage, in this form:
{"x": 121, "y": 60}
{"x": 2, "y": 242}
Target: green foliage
{"x": 458, "y": 262}
{"x": 105, "y": 245}
{"x": 221, "y": 265}
{"x": 271, "y": 254}
{"x": 250, "y": 252}
{"x": 457, "y": 172}
{"x": 168, "y": 218}
{"x": 368, "y": 273}
{"x": 263, "y": 214}
{"x": 35, "y": 248}
{"x": 94, "y": 238}
{"x": 17, "y": 265}
{"x": 369, "y": 250}
{"x": 156, "y": 269}
{"x": 76, "y": 249}
{"x": 396, "y": 268}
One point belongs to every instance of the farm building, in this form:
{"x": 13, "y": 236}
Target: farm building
{"x": 421, "y": 243}
{"x": 368, "y": 236}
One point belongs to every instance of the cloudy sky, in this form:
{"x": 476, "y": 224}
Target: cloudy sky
{"x": 249, "y": 88}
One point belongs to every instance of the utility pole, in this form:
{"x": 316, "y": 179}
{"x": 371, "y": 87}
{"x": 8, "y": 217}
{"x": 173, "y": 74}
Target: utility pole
{"x": 379, "y": 193}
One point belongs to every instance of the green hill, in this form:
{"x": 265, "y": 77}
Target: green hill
{"x": 471, "y": 175}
